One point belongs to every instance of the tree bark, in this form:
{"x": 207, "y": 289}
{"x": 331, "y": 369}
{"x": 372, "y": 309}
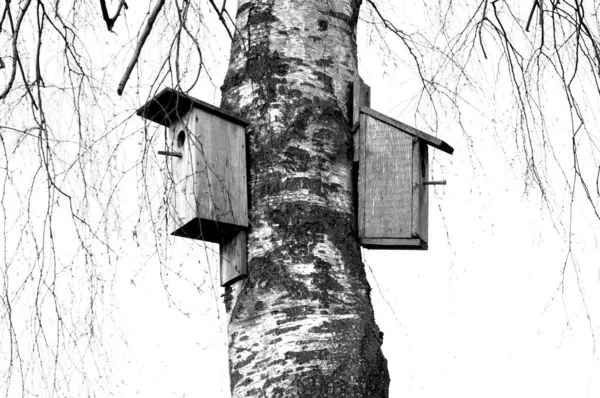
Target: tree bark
{"x": 301, "y": 324}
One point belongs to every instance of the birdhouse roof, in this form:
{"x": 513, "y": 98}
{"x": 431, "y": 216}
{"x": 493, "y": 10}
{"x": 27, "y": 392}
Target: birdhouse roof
{"x": 171, "y": 105}
{"x": 429, "y": 139}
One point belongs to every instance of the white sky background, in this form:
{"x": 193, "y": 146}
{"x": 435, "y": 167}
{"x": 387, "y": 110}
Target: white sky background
{"x": 478, "y": 314}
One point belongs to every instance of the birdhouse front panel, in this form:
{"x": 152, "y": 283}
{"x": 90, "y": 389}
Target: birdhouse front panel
{"x": 387, "y": 209}
{"x": 392, "y": 208}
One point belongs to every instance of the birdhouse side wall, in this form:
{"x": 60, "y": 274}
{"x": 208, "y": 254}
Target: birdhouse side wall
{"x": 221, "y": 191}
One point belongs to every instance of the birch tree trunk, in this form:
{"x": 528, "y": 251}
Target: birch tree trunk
{"x": 301, "y": 324}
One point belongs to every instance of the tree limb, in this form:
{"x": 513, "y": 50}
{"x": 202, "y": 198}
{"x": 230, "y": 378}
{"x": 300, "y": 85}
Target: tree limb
{"x": 110, "y": 22}
{"x": 220, "y": 14}
{"x": 140, "y": 45}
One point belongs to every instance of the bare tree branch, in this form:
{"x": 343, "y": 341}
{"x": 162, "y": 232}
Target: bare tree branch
{"x": 140, "y": 45}
{"x": 110, "y": 21}
{"x": 220, "y": 14}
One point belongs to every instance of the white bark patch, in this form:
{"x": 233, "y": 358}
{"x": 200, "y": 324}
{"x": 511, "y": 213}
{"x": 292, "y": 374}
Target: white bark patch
{"x": 300, "y": 195}
{"x": 269, "y": 340}
{"x": 264, "y": 243}
{"x": 302, "y": 269}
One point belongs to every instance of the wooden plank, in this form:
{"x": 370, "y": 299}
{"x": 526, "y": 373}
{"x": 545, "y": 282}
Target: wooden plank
{"x": 420, "y": 173}
{"x": 431, "y": 140}
{"x": 394, "y": 243}
{"x": 388, "y": 181}
{"x": 361, "y": 96}
{"x": 362, "y": 170}
{"x": 417, "y": 191}
{"x": 233, "y": 258}
{"x": 356, "y": 139}
{"x": 183, "y": 199}
{"x": 356, "y": 100}
{"x": 221, "y": 191}
{"x": 424, "y": 196}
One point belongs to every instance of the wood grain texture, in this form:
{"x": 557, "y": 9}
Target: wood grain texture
{"x": 420, "y": 191}
{"x": 233, "y": 258}
{"x": 182, "y": 198}
{"x": 361, "y": 96}
{"x": 362, "y": 174}
{"x": 424, "y": 193}
{"x": 387, "y": 179}
{"x": 209, "y": 199}
{"x": 221, "y": 169}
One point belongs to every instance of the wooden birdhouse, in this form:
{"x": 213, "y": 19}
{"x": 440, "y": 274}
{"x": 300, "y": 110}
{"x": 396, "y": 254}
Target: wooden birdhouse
{"x": 206, "y": 147}
{"x": 393, "y": 172}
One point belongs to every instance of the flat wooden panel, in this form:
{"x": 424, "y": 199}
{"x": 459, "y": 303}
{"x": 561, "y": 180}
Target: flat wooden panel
{"x": 387, "y": 181}
{"x": 420, "y": 190}
{"x": 394, "y": 244}
{"x": 424, "y": 197}
{"x": 361, "y": 96}
{"x": 356, "y": 139}
{"x": 183, "y": 199}
{"x": 221, "y": 167}
{"x": 362, "y": 170}
{"x": 233, "y": 258}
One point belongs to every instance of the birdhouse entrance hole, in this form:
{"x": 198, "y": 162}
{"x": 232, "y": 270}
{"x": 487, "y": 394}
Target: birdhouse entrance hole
{"x": 180, "y": 139}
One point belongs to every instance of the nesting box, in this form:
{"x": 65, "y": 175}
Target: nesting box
{"x": 393, "y": 176}
{"x": 207, "y": 150}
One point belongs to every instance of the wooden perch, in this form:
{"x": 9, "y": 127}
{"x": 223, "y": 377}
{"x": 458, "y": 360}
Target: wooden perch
{"x": 140, "y": 45}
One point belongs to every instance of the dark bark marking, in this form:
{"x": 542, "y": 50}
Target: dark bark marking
{"x": 325, "y": 62}
{"x": 278, "y": 332}
{"x": 339, "y": 15}
{"x": 261, "y": 17}
{"x": 326, "y": 79}
{"x": 325, "y": 283}
{"x": 301, "y": 357}
{"x": 244, "y": 7}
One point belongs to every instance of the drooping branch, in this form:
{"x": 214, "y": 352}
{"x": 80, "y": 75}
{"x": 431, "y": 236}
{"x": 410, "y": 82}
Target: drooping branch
{"x": 140, "y": 45}
{"x": 15, "y": 28}
{"x": 220, "y": 14}
{"x": 110, "y": 21}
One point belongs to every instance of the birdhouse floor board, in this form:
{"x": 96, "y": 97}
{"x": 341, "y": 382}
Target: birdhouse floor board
{"x": 208, "y": 230}
{"x": 394, "y": 244}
